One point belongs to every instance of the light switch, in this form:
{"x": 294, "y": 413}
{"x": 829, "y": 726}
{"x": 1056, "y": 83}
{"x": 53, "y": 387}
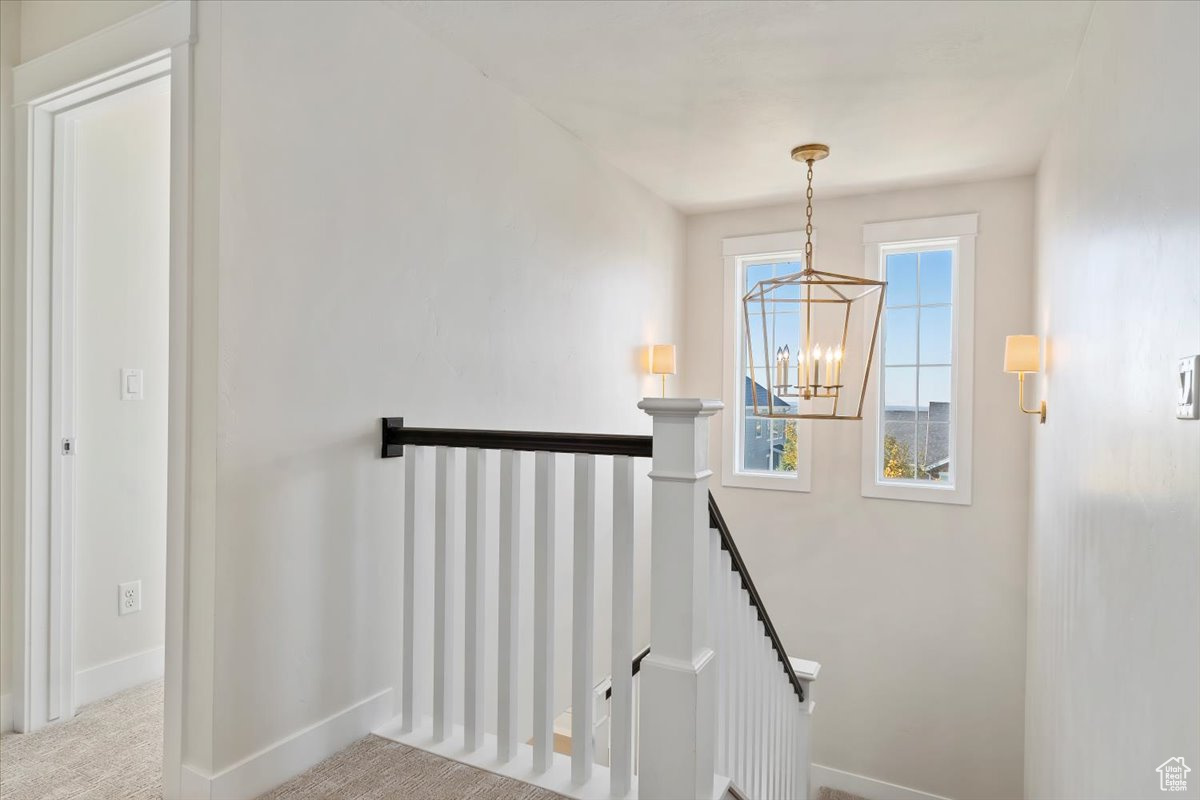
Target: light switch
{"x": 1188, "y": 404}
{"x": 131, "y": 384}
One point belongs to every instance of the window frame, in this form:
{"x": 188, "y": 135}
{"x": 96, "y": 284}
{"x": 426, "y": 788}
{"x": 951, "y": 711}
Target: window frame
{"x": 957, "y": 233}
{"x": 737, "y": 252}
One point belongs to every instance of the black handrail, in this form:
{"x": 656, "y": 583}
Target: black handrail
{"x": 637, "y": 667}
{"x": 716, "y": 520}
{"x": 396, "y": 435}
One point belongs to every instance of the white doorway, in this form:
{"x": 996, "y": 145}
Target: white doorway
{"x": 100, "y": 174}
{"x": 142, "y": 54}
{"x": 111, "y": 361}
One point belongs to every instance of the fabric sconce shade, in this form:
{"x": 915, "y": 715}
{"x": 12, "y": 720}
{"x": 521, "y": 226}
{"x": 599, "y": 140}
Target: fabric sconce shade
{"x": 662, "y": 359}
{"x": 1021, "y": 353}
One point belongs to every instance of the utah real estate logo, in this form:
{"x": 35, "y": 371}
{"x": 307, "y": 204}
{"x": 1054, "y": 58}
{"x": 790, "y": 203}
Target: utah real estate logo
{"x": 1172, "y": 775}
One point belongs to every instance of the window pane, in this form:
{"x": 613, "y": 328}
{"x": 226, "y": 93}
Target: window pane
{"x": 937, "y": 335}
{"x": 789, "y": 291}
{"x": 783, "y": 445}
{"x": 900, "y": 336}
{"x": 934, "y": 392}
{"x": 897, "y": 459}
{"x": 756, "y": 444}
{"x": 901, "y": 277}
{"x": 758, "y": 272}
{"x": 933, "y": 452}
{"x": 786, "y": 291}
{"x": 785, "y": 330}
{"x": 900, "y": 391}
{"x": 935, "y": 277}
{"x": 756, "y": 353}
{"x": 765, "y": 442}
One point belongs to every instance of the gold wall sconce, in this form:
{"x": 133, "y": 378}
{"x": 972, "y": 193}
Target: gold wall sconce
{"x": 1022, "y": 354}
{"x": 662, "y": 362}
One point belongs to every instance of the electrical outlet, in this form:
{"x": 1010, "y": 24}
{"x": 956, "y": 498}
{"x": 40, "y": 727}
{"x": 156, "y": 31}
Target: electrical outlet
{"x": 129, "y": 597}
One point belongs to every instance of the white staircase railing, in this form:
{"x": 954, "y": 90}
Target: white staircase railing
{"x": 719, "y": 701}
{"x": 757, "y": 706}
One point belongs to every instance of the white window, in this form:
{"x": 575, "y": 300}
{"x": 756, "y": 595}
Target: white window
{"x": 917, "y": 421}
{"x": 759, "y": 453}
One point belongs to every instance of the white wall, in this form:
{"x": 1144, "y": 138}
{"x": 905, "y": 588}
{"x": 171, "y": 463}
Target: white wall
{"x": 122, "y": 160}
{"x": 916, "y": 611}
{"x": 10, "y": 55}
{"x": 47, "y": 25}
{"x": 1114, "y": 567}
{"x": 397, "y": 235}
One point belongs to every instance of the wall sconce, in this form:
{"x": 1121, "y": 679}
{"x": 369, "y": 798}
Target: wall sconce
{"x": 1021, "y": 355}
{"x": 662, "y": 362}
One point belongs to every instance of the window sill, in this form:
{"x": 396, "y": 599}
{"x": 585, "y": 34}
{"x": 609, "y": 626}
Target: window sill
{"x": 778, "y": 483}
{"x": 932, "y": 493}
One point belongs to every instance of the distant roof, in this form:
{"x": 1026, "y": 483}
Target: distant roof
{"x": 755, "y": 389}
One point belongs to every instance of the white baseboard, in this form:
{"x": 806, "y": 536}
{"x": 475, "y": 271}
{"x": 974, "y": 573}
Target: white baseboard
{"x": 6, "y": 713}
{"x": 288, "y": 757}
{"x": 97, "y": 683}
{"x": 863, "y": 786}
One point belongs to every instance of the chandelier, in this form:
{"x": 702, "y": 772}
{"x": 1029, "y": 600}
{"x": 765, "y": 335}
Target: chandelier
{"x": 808, "y": 351}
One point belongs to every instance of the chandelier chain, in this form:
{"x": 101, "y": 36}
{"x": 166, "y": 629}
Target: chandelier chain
{"x": 808, "y": 248}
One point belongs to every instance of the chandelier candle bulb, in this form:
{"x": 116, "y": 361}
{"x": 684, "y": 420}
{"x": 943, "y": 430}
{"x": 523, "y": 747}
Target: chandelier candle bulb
{"x": 783, "y": 359}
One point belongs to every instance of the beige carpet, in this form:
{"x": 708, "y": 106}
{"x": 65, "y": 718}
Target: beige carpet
{"x": 835, "y": 794}
{"x": 378, "y": 769}
{"x": 112, "y": 749}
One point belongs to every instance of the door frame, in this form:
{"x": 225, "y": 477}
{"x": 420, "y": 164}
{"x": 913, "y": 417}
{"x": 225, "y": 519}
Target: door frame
{"x": 144, "y": 47}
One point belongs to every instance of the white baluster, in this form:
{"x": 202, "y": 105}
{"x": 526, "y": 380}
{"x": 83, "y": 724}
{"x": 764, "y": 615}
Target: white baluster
{"x": 772, "y": 687}
{"x": 776, "y": 732}
{"x": 760, "y": 708}
{"x": 473, "y": 614}
{"x": 543, "y": 613}
{"x": 776, "y": 749}
{"x": 509, "y": 595}
{"x": 804, "y": 751}
{"x": 769, "y": 665}
{"x": 738, "y": 649}
{"x": 716, "y": 617}
{"x": 780, "y": 767}
{"x": 408, "y": 647}
{"x": 768, "y": 675}
{"x": 789, "y": 786}
{"x": 443, "y": 594}
{"x": 583, "y": 619}
{"x": 737, "y": 672}
{"x": 621, "y": 704}
{"x": 755, "y": 702}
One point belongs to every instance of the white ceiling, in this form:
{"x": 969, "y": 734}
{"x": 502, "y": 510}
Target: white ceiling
{"x": 702, "y": 101}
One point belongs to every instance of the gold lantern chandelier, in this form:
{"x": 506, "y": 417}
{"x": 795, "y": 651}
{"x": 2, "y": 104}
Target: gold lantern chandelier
{"x": 803, "y": 331}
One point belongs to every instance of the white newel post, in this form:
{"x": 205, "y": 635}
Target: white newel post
{"x": 678, "y": 679}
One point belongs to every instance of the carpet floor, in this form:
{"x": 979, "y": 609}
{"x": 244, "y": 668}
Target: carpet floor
{"x": 836, "y": 794}
{"x": 379, "y": 769}
{"x": 113, "y": 749}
